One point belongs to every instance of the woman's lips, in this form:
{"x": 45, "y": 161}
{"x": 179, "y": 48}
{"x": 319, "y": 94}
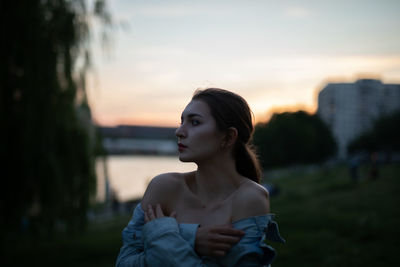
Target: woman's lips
{"x": 181, "y": 147}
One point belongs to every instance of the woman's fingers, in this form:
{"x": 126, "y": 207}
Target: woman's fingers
{"x": 221, "y": 244}
{"x": 150, "y": 212}
{"x": 227, "y": 230}
{"x": 225, "y": 239}
{"x": 216, "y": 240}
{"x": 226, "y": 234}
{"x": 159, "y": 212}
{"x": 173, "y": 214}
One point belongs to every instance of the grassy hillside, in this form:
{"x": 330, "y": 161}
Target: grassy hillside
{"x": 325, "y": 218}
{"x": 329, "y": 221}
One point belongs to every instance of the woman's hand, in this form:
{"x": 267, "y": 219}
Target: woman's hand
{"x": 151, "y": 214}
{"x": 216, "y": 241}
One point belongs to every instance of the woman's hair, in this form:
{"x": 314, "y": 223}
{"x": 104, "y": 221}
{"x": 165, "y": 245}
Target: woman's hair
{"x": 232, "y": 110}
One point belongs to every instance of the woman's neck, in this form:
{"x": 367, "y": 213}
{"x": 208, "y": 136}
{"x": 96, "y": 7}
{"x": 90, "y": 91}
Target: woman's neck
{"x": 215, "y": 180}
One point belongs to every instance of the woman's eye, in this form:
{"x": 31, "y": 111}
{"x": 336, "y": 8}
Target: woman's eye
{"x": 195, "y": 122}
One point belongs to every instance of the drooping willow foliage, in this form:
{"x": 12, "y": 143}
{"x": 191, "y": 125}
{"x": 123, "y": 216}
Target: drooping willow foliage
{"x": 48, "y": 142}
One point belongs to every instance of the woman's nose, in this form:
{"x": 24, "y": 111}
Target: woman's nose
{"x": 180, "y": 132}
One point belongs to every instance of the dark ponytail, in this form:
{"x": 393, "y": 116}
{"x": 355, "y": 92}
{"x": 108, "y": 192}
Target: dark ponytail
{"x": 231, "y": 110}
{"x": 247, "y": 163}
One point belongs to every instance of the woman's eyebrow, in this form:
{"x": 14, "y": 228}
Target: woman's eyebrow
{"x": 191, "y": 115}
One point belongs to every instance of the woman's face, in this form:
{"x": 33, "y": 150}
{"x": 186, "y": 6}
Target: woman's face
{"x": 198, "y": 136}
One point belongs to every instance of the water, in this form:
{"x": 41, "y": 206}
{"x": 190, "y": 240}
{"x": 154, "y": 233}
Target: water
{"x": 129, "y": 175}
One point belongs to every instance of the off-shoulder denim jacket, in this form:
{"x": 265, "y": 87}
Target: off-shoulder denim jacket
{"x": 164, "y": 242}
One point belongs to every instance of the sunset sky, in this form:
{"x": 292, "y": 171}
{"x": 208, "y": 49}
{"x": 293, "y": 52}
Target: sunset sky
{"x": 276, "y": 54}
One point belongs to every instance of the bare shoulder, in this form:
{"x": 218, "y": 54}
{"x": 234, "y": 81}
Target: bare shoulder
{"x": 162, "y": 188}
{"x": 251, "y": 200}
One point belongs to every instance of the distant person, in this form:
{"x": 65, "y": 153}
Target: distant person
{"x": 217, "y": 215}
{"x": 353, "y": 168}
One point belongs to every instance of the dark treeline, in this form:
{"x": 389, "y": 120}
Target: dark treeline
{"x": 293, "y": 138}
{"x": 384, "y": 136}
{"x": 48, "y": 149}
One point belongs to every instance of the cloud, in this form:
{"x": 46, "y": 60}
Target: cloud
{"x": 186, "y": 10}
{"x": 165, "y": 11}
{"x": 297, "y": 12}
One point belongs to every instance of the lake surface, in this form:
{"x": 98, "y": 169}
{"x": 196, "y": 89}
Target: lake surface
{"x": 129, "y": 175}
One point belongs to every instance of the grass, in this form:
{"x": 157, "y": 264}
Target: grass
{"x": 328, "y": 220}
{"x": 98, "y": 246}
{"x": 325, "y": 218}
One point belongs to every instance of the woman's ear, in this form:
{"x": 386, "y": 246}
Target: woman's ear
{"x": 230, "y": 137}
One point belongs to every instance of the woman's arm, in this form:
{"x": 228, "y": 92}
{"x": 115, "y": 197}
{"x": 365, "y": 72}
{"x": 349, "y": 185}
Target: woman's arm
{"x": 156, "y": 243}
{"x": 163, "y": 243}
{"x": 216, "y": 241}
{"x": 255, "y": 250}
{"x": 251, "y": 214}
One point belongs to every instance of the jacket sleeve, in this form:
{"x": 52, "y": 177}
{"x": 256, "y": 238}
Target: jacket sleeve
{"x": 139, "y": 250}
{"x": 165, "y": 246}
{"x": 253, "y": 250}
{"x": 132, "y": 250}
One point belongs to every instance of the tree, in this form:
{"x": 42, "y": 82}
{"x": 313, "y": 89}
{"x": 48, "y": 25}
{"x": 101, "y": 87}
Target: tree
{"x": 293, "y": 138}
{"x": 48, "y": 149}
{"x": 383, "y": 136}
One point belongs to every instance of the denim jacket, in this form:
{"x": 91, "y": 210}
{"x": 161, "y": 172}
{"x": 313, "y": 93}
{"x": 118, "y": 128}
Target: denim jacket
{"x": 164, "y": 242}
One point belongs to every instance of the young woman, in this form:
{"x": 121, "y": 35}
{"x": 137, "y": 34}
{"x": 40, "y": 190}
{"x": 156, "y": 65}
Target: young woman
{"x": 217, "y": 215}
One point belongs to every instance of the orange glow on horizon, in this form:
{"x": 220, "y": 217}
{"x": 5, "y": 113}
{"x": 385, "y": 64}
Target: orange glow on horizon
{"x": 138, "y": 121}
{"x": 171, "y": 121}
{"x": 280, "y": 109}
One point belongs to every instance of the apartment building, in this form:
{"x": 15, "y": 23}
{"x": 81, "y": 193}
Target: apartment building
{"x": 351, "y": 108}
